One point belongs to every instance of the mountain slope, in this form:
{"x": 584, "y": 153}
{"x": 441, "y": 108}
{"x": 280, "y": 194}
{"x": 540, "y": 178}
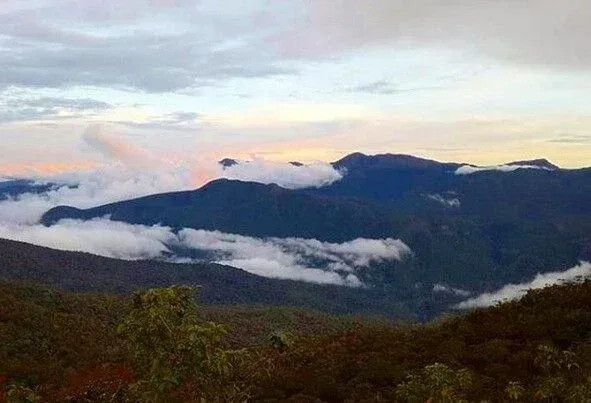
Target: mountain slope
{"x": 221, "y": 284}
{"x": 245, "y": 208}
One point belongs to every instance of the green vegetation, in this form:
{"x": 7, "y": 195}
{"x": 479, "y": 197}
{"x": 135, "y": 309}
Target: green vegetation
{"x": 172, "y": 349}
{"x": 160, "y": 346}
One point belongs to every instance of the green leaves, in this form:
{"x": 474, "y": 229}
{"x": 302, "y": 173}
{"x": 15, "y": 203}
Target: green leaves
{"x": 171, "y": 349}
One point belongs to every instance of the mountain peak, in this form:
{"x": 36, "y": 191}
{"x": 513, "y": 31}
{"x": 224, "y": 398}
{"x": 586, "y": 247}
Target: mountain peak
{"x": 227, "y": 162}
{"x": 540, "y": 162}
{"x": 358, "y": 160}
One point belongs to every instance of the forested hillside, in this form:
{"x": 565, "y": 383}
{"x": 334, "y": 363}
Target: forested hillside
{"x": 83, "y": 272}
{"x": 63, "y": 346}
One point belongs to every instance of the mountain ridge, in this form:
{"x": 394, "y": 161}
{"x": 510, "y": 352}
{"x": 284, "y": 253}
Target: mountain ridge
{"x": 220, "y": 284}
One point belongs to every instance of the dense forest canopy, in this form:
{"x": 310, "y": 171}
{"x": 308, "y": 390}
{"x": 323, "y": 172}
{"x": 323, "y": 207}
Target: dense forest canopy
{"x": 55, "y": 344}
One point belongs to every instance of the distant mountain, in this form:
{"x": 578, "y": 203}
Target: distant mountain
{"x": 542, "y": 163}
{"x": 405, "y": 182}
{"x": 16, "y": 187}
{"x": 83, "y": 272}
{"x": 360, "y": 161}
{"x": 245, "y": 208}
{"x": 475, "y": 231}
{"x": 227, "y": 162}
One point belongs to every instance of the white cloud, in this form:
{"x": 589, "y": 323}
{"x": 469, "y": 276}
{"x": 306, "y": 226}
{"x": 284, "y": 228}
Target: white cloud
{"x": 515, "y": 291}
{"x": 284, "y": 174}
{"x": 120, "y": 181}
{"x": 469, "y": 169}
{"x": 129, "y": 171}
{"x": 442, "y": 288}
{"x": 295, "y": 257}
{"x": 86, "y": 189}
{"x": 100, "y": 237}
{"x": 447, "y": 202}
{"x": 286, "y": 258}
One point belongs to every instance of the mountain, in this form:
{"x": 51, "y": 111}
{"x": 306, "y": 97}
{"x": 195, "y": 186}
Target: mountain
{"x": 476, "y": 231}
{"x": 245, "y": 208}
{"x": 541, "y": 162}
{"x": 389, "y": 177}
{"x": 83, "y": 272}
{"x": 359, "y": 161}
{"x": 227, "y": 162}
{"x": 16, "y": 187}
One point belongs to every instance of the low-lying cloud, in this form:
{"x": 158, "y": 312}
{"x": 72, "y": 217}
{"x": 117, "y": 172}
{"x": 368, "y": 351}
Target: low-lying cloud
{"x": 469, "y": 169}
{"x": 101, "y": 237}
{"x": 512, "y": 292}
{"x": 286, "y": 258}
{"x": 445, "y": 289}
{"x": 287, "y": 175}
{"x": 129, "y": 171}
{"x": 450, "y": 202}
{"x": 86, "y": 189}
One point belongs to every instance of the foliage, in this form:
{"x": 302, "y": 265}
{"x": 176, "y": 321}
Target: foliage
{"x": 515, "y": 390}
{"x": 105, "y": 383}
{"x": 21, "y": 394}
{"x": 435, "y": 383}
{"x": 65, "y": 347}
{"x": 171, "y": 348}
{"x": 281, "y": 340}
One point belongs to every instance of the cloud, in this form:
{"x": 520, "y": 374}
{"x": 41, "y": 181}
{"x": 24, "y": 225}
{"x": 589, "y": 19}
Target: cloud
{"x": 287, "y": 175}
{"x": 43, "y": 108}
{"x": 469, "y": 169}
{"x": 130, "y": 171}
{"x": 98, "y": 137}
{"x": 100, "y": 237}
{"x": 572, "y": 139}
{"x": 181, "y": 121}
{"x": 512, "y": 292}
{"x": 447, "y": 202}
{"x": 295, "y": 255}
{"x": 136, "y": 176}
{"x": 442, "y": 288}
{"x": 383, "y": 87}
{"x": 87, "y": 189}
{"x": 287, "y": 258}
{"x": 63, "y": 44}
{"x": 540, "y": 33}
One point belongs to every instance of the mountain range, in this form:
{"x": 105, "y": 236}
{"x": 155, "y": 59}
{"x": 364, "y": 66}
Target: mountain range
{"x": 475, "y": 230}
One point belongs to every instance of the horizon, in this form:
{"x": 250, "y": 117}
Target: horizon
{"x": 206, "y": 173}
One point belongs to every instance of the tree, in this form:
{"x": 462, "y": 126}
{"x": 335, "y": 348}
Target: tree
{"x": 175, "y": 355}
{"x": 435, "y": 383}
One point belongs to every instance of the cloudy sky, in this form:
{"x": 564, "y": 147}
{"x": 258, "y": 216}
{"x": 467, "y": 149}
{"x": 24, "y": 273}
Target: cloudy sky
{"x": 479, "y": 81}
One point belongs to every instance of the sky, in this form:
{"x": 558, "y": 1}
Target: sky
{"x": 87, "y": 83}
